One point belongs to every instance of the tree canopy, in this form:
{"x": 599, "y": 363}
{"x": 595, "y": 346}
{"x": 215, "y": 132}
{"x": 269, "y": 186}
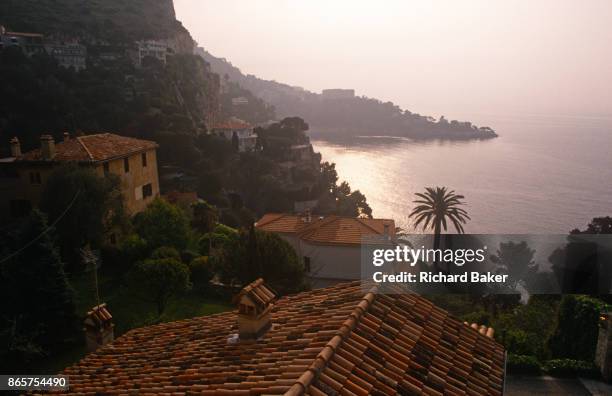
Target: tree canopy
{"x": 163, "y": 224}
{"x": 87, "y": 206}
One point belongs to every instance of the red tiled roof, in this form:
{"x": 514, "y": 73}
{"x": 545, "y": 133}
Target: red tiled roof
{"x": 279, "y": 222}
{"x": 337, "y": 340}
{"x": 327, "y": 230}
{"x": 232, "y": 125}
{"x": 93, "y": 148}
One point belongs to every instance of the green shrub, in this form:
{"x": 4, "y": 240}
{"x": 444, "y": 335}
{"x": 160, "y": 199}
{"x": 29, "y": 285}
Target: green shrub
{"x": 201, "y": 272}
{"x": 187, "y": 255}
{"x": 523, "y": 364}
{"x": 165, "y": 252}
{"x": 571, "y": 368}
{"x": 133, "y": 248}
{"x": 575, "y": 335}
{"x": 163, "y": 224}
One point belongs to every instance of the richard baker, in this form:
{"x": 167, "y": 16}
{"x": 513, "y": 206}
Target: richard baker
{"x": 432, "y": 277}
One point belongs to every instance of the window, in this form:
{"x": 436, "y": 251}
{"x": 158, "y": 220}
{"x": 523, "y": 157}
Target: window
{"x": 144, "y": 160}
{"x": 147, "y": 190}
{"x": 307, "y": 264}
{"x": 106, "y": 167}
{"x": 35, "y": 178}
{"x": 126, "y": 165}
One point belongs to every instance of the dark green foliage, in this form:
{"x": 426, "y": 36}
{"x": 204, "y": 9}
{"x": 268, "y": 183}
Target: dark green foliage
{"x": 133, "y": 248}
{"x": 523, "y": 329}
{"x": 89, "y": 206}
{"x": 575, "y": 336}
{"x": 339, "y": 199}
{"x": 516, "y": 260}
{"x": 351, "y": 203}
{"x": 165, "y": 252}
{"x": 201, "y": 272}
{"x": 571, "y": 368}
{"x": 530, "y": 365}
{"x": 37, "y": 310}
{"x": 581, "y": 266}
{"x": 205, "y": 216}
{"x": 163, "y": 224}
{"x": 257, "y": 254}
{"x": 599, "y": 225}
{"x": 160, "y": 279}
{"x": 523, "y": 364}
{"x": 216, "y": 239}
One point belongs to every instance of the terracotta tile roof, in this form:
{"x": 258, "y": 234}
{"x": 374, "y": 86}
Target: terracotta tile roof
{"x": 232, "y": 124}
{"x": 482, "y": 329}
{"x": 337, "y": 340}
{"x": 327, "y": 230}
{"x": 93, "y": 148}
{"x": 280, "y": 222}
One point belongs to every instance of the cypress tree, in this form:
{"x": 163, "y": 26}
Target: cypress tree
{"x": 42, "y": 308}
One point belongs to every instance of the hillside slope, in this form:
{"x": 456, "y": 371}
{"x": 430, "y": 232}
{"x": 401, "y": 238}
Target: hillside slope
{"x": 335, "y": 118}
{"x": 108, "y": 20}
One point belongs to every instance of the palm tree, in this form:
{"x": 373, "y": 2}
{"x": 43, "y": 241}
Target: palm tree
{"x": 435, "y": 207}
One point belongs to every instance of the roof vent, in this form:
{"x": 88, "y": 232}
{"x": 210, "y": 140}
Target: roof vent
{"x": 99, "y": 327}
{"x": 255, "y": 304}
{"x": 15, "y": 147}
{"x": 47, "y": 147}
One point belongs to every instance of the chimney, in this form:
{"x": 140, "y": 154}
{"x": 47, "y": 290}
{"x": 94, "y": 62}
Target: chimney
{"x": 386, "y": 230}
{"x": 99, "y": 327}
{"x": 47, "y": 147}
{"x": 15, "y": 147}
{"x": 66, "y": 136}
{"x": 603, "y": 351}
{"x": 254, "y": 308}
{"x": 308, "y": 216}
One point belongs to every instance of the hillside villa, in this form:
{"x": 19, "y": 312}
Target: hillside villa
{"x": 242, "y": 130}
{"x": 24, "y": 174}
{"x": 329, "y": 247}
{"x": 346, "y": 339}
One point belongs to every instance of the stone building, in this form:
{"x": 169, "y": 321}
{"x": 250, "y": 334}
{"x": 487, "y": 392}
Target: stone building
{"x": 23, "y": 175}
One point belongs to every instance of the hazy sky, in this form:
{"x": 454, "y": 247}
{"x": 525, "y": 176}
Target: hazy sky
{"x": 431, "y": 56}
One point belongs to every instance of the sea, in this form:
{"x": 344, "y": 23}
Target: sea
{"x": 544, "y": 174}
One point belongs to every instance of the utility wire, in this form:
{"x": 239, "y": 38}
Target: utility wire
{"x": 49, "y": 227}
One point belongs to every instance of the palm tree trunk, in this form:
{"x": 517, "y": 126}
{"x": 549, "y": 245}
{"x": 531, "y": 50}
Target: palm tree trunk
{"x": 436, "y": 243}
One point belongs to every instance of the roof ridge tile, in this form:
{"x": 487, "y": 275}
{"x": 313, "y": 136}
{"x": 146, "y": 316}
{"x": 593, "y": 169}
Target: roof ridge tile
{"x": 323, "y": 358}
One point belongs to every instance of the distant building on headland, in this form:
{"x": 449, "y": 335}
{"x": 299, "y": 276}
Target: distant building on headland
{"x": 338, "y": 93}
{"x": 157, "y": 49}
{"x": 247, "y": 140}
{"x": 68, "y": 54}
{"x": 23, "y": 175}
{"x": 73, "y": 51}
{"x": 240, "y": 101}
